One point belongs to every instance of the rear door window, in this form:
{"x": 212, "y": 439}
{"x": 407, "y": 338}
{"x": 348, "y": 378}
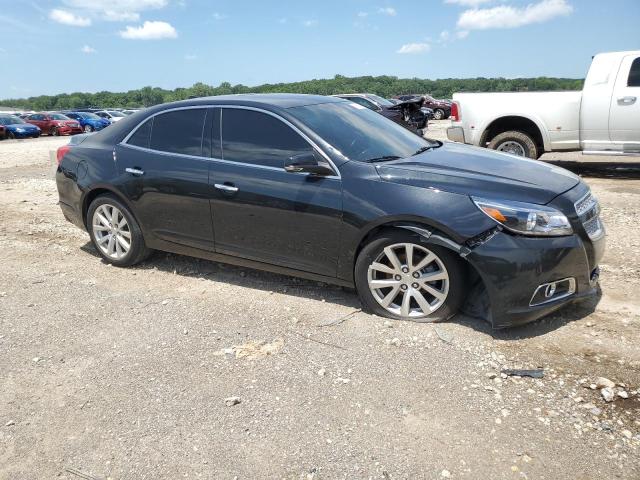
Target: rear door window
{"x": 258, "y": 138}
{"x": 179, "y": 131}
{"x": 634, "y": 74}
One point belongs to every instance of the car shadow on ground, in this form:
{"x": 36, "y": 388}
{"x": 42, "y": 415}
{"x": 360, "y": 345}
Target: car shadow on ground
{"x": 241, "y": 276}
{"x": 272, "y": 282}
{"x": 617, "y": 170}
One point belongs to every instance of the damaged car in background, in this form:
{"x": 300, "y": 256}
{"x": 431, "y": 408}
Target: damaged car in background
{"x": 322, "y": 188}
{"x": 411, "y": 113}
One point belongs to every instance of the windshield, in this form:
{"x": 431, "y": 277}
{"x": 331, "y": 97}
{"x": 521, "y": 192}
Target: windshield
{"x": 11, "y": 120}
{"x": 92, "y": 116}
{"x": 380, "y": 101}
{"x": 58, "y": 116}
{"x": 358, "y": 133}
{"x": 113, "y": 113}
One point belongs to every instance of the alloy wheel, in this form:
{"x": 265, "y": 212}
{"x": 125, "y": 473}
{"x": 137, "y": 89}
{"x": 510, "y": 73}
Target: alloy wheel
{"x": 111, "y": 231}
{"x": 408, "y": 280}
{"x": 514, "y": 148}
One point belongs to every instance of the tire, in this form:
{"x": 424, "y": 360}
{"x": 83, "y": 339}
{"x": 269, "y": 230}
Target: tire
{"x": 438, "y": 114}
{"x": 88, "y": 129}
{"x": 11, "y": 136}
{"x": 137, "y": 250}
{"x": 54, "y": 132}
{"x": 446, "y": 264}
{"x": 515, "y": 143}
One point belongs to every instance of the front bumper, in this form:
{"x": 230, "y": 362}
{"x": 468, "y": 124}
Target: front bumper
{"x": 513, "y": 267}
{"x": 456, "y": 134}
{"x": 66, "y": 130}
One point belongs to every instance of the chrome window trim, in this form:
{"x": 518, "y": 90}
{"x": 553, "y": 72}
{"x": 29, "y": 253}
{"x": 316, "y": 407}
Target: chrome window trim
{"x": 239, "y": 107}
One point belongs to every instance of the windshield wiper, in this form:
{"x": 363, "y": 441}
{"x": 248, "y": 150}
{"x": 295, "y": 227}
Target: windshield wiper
{"x": 384, "y": 158}
{"x": 430, "y": 147}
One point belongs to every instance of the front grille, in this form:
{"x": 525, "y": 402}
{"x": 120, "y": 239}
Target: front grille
{"x": 588, "y": 210}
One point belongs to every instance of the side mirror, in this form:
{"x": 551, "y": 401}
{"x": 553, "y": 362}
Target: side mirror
{"x": 308, "y": 162}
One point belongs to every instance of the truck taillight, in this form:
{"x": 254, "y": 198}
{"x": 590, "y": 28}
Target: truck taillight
{"x": 455, "y": 112}
{"x": 61, "y": 152}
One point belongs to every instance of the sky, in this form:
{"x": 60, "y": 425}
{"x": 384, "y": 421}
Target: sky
{"x": 63, "y": 46}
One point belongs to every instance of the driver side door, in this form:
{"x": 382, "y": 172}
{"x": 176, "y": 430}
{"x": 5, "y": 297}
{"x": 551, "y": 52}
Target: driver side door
{"x": 262, "y": 212}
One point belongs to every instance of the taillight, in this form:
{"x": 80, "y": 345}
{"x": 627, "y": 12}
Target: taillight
{"x": 455, "y": 112}
{"x": 61, "y": 152}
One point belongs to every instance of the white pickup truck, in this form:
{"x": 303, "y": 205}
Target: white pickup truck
{"x": 603, "y": 119}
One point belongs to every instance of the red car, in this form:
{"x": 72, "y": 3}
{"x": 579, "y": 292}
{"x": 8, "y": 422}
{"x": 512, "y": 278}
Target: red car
{"x": 54, "y": 123}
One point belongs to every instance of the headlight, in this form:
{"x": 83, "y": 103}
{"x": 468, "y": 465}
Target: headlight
{"x": 19, "y": 129}
{"x": 525, "y": 218}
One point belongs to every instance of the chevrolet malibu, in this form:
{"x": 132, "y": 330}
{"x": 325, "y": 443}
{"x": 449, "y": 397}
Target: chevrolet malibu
{"x": 321, "y": 188}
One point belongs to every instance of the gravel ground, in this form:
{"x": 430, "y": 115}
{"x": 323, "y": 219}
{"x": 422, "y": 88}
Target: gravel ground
{"x": 132, "y": 373}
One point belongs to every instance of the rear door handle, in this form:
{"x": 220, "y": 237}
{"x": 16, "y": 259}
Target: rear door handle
{"x": 134, "y": 171}
{"x": 626, "y": 100}
{"x": 226, "y": 188}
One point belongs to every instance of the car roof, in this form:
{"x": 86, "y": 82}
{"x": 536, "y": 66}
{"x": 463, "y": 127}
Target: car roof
{"x": 265, "y": 100}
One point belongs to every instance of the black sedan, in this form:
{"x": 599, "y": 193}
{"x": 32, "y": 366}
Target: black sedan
{"x": 321, "y": 188}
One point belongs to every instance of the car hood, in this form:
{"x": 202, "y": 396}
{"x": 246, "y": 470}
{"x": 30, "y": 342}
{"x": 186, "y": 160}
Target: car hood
{"x": 480, "y": 172}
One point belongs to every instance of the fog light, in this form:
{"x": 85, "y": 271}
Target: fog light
{"x": 552, "y": 291}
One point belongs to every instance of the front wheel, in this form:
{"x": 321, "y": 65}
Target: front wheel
{"x": 515, "y": 143}
{"x": 11, "y": 135}
{"x": 400, "y": 276}
{"x": 54, "y": 132}
{"x": 115, "y": 232}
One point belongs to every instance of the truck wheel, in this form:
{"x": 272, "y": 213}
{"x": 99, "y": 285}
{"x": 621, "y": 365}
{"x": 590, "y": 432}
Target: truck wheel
{"x": 515, "y": 143}
{"x": 438, "y": 114}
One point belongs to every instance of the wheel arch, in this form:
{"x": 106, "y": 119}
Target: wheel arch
{"x": 477, "y": 304}
{"x": 526, "y": 124}
{"x": 99, "y": 190}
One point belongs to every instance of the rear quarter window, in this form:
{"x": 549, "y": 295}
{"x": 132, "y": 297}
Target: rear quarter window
{"x": 141, "y": 136}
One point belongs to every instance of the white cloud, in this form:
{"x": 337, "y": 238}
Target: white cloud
{"x": 468, "y": 3}
{"x": 68, "y": 18}
{"x": 513, "y": 17}
{"x": 219, "y": 16}
{"x": 116, "y": 10}
{"x": 388, "y": 11}
{"x": 414, "y": 48}
{"x": 444, "y": 36}
{"x": 190, "y": 57}
{"x": 310, "y": 23}
{"x": 149, "y": 31}
{"x": 88, "y": 49}
{"x": 362, "y": 14}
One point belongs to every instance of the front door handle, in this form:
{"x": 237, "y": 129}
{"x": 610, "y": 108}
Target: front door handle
{"x": 626, "y": 100}
{"x": 226, "y": 188}
{"x": 134, "y": 171}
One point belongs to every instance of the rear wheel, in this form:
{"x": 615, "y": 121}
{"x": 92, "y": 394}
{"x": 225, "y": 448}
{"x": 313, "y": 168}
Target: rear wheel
{"x": 400, "y": 276}
{"x": 11, "y": 135}
{"x": 115, "y": 232}
{"x": 515, "y": 143}
{"x": 438, "y": 114}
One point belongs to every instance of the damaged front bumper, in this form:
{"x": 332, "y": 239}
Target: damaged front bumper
{"x": 526, "y": 278}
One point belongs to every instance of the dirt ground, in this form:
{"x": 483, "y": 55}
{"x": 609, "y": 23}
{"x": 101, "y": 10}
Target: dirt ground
{"x": 110, "y": 373}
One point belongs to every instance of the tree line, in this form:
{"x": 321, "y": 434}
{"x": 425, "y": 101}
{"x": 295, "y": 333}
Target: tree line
{"x": 385, "y": 86}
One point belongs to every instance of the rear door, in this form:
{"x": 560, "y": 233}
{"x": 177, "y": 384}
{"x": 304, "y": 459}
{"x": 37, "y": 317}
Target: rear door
{"x": 262, "y": 212}
{"x": 624, "y": 116}
{"x": 164, "y": 168}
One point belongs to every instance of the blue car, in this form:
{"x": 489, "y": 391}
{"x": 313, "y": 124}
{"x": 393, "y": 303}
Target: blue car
{"x": 15, "y": 127}
{"x": 89, "y": 122}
